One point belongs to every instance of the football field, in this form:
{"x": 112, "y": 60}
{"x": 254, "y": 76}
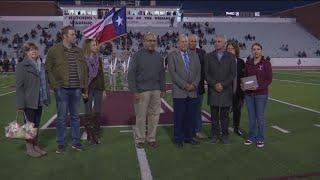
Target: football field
{"x": 292, "y": 146}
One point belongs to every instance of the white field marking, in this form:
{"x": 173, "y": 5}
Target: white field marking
{"x": 117, "y": 126}
{"x": 313, "y": 72}
{"x": 306, "y": 75}
{"x": 5, "y": 86}
{"x": 298, "y": 82}
{"x": 294, "y": 105}
{"x": 317, "y": 125}
{"x": 166, "y": 104}
{"x": 145, "y": 171}
{"x": 45, "y": 126}
{"x": 280, "y": 129}
{"x": 126, "y": 131}
{"x": 208, "y": 114}
{"x": 7, "y": 93}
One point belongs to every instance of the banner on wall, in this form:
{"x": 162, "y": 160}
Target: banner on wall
{"x": 79, "y": 20}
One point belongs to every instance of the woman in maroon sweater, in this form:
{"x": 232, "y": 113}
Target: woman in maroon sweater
{"x": 257, "y": 97}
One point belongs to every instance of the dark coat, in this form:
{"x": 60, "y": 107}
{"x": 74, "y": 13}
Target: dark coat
{"x": 240, "y": 74}
{"x": 224, "y": 72}
{"x": 201, "y": 53}
{"x": 28, "y": 85}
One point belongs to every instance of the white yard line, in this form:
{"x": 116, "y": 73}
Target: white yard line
{"x": 168, "y": 105}
{"x": 298, "y": 82}
{"x": 294, "y": 105}
{"x": 45, "y": 126}
{"x": 5, "y": 86}
{"x": 304, "y": 75}
{"x": 145, "y": 171}
{"x": 126, "y": 131}
{"x": 7, "y": 93}
{"x": 317, "y": 125}
{"x": 280, "y": 129}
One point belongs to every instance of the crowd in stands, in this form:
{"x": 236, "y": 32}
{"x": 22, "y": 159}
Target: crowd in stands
{"x": 250, "y": 37}
{"x": 165, "y": 42}
{"x": 302, "y": 54}
{"x": 284, "y": 47}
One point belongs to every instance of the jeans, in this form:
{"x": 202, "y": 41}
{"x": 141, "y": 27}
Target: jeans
{"x": 256, "y": 106}
{"x": 68, "y": 99}
{"x": 95, "y": 97}
{"x": 198, "y": 119}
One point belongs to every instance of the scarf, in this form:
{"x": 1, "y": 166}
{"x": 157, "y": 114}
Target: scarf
{"x": 93, "y": 67}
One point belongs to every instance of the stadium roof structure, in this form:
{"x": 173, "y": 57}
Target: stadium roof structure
{"x": 267, "y": 7}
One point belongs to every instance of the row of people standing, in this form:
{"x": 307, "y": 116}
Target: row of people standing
{"x": 189, "y": 68}
{"x": 73, "y": 74}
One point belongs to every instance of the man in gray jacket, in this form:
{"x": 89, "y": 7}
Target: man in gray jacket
{"x": 220, "y": 70}
{"x": 146, "y": 79}
{"x": 185, "y": 70}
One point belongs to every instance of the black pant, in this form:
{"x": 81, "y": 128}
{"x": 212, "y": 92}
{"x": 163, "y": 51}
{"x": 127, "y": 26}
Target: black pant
{"x": 236, "y": 111}
{"x": 219, "y": 115}
{"x": 34, "y": 115}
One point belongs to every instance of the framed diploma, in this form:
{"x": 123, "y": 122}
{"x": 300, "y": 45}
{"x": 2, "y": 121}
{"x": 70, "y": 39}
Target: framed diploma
{"x": 249, "y": 82}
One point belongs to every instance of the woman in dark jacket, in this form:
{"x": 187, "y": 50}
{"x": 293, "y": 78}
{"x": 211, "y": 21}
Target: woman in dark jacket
{"x": 257, "y": 97}
{"x": 32, "y": 93}
{"x": 238, "y": 94}
{"x": 95, "y": 90}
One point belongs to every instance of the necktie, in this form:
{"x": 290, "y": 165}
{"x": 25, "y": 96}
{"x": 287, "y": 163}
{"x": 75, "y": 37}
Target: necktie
{"x": 186, "y": 61}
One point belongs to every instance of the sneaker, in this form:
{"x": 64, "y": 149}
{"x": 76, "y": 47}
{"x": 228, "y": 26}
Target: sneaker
{"x": 248, "y": 142}
{"x": 192, "y": 142}
{"x": 77, "y": 147}
{"x": 260, "y": 144}
{"x": 60, "y": 149}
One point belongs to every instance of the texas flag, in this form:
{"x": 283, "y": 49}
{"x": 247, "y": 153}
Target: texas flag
{"x": 111, "y": 26}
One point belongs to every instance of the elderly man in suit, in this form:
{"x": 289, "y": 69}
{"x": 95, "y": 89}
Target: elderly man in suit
{"x": 185, "y": 70}
{"x": 220, "y": 70}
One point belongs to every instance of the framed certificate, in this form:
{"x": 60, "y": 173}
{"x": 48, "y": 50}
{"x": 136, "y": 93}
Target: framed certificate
{"x": 249, "y": 82}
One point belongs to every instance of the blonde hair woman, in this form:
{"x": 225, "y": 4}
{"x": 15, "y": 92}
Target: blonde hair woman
{"x": 96, "y": 89}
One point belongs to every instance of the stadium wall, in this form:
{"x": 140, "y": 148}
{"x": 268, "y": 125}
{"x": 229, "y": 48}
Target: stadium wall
{"x": 308, "y": 16}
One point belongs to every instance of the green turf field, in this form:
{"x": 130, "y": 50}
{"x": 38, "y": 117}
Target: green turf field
{"x": 285, "y": 154}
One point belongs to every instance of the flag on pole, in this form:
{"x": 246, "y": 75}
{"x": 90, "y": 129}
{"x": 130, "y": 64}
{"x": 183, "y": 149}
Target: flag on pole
{"x": 111, "y": 26}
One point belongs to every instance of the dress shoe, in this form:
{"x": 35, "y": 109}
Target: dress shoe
{"x": 153, "y": 144}
{"x": 192, "y": 142}
{"x": 178, "y": 144}
{"x": 238, "y": 132}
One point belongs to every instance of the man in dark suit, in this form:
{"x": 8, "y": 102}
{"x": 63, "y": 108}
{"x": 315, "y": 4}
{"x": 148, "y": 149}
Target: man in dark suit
{"x": 197, "y": 127}
{"x": 238, "y": 94}
{"x": 184, "y": 68}
{"x": 220, "y": 70}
